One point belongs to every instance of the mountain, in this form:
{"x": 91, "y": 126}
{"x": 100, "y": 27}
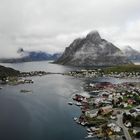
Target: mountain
{"x": 131, "y": 54}
{"x": 28, "y": 56}
{"x": 92, "y": 51}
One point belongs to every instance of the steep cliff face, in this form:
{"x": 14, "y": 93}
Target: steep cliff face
{"x": 92, "y": 51}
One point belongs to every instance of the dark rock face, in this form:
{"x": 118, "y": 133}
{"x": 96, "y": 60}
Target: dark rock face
{"x": 92, "y": 51}
{"x": 131, "y": 54}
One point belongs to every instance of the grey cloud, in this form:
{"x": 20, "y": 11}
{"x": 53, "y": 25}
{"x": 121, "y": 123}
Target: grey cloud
{"x": 51, "y": 25}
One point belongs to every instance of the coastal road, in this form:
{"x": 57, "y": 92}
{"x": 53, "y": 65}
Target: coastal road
{"x": 125, "y": 130}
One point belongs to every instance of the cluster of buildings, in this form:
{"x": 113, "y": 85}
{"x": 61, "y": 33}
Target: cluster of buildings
{"x": 100, "y": 73}
{"x": 33, "y": 73}
{"x": 124, "y": 75}
{"x": 22, "y": 78}
{"x": 103, "y": 111}
{"x": 16, "y": 81}
{"x": 85, "y": 73}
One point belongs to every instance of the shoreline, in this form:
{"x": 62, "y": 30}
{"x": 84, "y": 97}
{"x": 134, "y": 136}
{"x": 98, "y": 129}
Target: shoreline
{"x": 84, "y": 120}
{"x": 98, "y": 123}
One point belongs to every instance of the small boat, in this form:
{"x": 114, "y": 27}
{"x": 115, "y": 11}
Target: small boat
{"x": 83, "y": 123}
{"x": 90, "y": 136}
{"x": 88, "y": 129}
{"x": 75, "y": 119}
{"x": 90, "y": 133}
{"x": 70, "y": 103}
{"x": 78, "y": 104}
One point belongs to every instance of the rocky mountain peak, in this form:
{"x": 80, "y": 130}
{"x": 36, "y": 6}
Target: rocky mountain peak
{"x": 92, "y": 51}
{"x": 94, "y": 36}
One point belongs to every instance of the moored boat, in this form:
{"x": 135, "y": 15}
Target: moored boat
{"x": 70, "y": 103}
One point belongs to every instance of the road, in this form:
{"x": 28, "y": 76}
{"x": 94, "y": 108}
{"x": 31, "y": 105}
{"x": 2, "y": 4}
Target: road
{"x": 125, "y": 130}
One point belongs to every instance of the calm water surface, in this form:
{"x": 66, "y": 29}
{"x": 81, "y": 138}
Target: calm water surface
{"x": 44, "y": 114}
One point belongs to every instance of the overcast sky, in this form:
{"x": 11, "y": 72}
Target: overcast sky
{"x": 51, "y": 25}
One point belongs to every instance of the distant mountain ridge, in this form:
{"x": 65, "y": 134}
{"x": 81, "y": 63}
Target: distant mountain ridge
{"x": 131, "y": 54}
{"x": 28, "y": 56}
{"x": 92, "y": 51}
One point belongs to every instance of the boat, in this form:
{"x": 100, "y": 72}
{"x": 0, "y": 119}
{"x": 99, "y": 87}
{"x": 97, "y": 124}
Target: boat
{"x": 70, "y": 103}
{"x": 88, "y": 129}
{"x": 90, "y": 133}
{"x": 83, "y": 123}
{"x": 78, "y": 104}
{"x": 90, "y": 136}
{"x": 75, "y": 119}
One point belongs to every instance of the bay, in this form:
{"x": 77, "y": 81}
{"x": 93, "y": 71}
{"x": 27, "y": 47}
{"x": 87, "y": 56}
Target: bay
{"x": 44, "y": 114}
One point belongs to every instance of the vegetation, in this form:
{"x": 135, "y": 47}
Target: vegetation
{"x": 138, "y": 135}
{"x": 135, "y": 121}
{"x": 131, "y": 132}
{"x": 7, "y": 72}
{"x": 123, "y": 68}
{"x": 95, "y": 121}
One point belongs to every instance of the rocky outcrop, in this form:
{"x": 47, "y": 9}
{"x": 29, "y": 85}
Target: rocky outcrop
{"x": 92, "y": 51}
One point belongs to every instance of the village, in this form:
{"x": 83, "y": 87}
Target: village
{"x": 110, "y": 111}
{"x": 84, "y": 73}
{"x": 22, "y": 78}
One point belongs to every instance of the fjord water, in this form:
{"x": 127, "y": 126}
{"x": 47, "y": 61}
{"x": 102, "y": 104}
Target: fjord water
{"x": 44, "y": 114}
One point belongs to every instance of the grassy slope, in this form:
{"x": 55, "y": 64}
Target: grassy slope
{"x": 124, "y": 68}
{"x": 5, "y": 71}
